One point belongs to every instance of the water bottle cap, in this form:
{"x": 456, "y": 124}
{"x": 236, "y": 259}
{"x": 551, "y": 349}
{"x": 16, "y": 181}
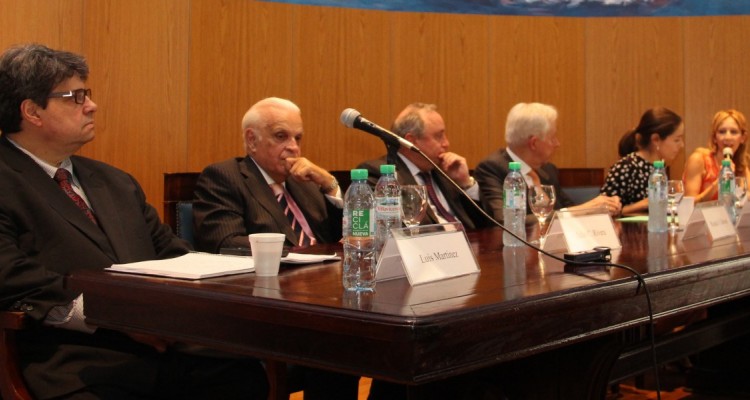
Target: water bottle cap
{"x": 659, "y": 164}
{"x": 387, "y": 169}
{"x": 726, "y": 163}
{"x": 514, "y": 166}
{"x": 359, "y": 174}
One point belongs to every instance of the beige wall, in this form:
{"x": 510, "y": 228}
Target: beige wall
{"x": 172, "y": 78}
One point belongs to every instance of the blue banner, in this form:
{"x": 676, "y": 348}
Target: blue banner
{"x": 563, "y": 8}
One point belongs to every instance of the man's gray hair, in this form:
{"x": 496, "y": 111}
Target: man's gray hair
{"x": 410, "y": 120}
{"x": 257, "y": 115}
{"x": 528, "y": 119}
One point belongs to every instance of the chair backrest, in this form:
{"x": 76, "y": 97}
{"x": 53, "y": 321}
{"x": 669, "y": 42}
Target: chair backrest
{"x": 570, "y": 177}
{"x": 12, "y": 385}
{"x": 178, "y": 203}
{"x": 581, "y": 184}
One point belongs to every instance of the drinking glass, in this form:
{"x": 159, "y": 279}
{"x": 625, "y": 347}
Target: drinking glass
{"x": 542, "y": 203}
{"x": 413, "y": 204}
{"x": 740, "y": 190}
{"x": 675, "y": 190}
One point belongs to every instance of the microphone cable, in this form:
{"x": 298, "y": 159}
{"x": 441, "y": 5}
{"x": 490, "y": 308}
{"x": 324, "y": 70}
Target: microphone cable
{"x": 638, "y": 276}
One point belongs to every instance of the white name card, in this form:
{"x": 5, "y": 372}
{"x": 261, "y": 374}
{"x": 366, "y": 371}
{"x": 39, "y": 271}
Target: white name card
{"x": 709, "y": 218}
{"x": 581, "y": 230}
{"x": 427, "y": 254}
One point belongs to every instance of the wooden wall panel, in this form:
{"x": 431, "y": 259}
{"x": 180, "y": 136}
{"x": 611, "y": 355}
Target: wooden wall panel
{"x": 240, "y": 52}
{"x": 442, "y": 59}
{"x": 717, "y": 76}
{"x": 55, "y": 23}
{"x": 539, "y": 60}
{"x": 172, "y": 79}
{"x": 137, "y": 51}
{"x": 342, "y": 60}
{"x": 632, "y": 64}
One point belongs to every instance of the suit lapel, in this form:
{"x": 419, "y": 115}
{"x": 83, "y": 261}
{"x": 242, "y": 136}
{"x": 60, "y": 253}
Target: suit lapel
{"x": 55, "y": 197}
{"x": 259, "y": 189}
{"x": 109, "y": 232}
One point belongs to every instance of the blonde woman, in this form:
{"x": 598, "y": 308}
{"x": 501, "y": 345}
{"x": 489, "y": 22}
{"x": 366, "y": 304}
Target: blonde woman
{"x": 728, "y": 130}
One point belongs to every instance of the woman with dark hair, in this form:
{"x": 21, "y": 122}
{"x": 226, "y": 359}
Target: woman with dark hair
{"x": 728, "y": 130}
{"x": 659, "y": 136}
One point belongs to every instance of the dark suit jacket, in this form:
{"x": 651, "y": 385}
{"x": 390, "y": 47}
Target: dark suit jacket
{"x": 463, "y": 208}
{"x": 234, "y": 200}
{"x": 44, "y": 236}
{"x": 491, "y": 173}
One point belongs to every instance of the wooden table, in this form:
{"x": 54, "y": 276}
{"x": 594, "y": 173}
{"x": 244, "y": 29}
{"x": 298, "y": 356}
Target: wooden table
{"x": 522, "y": 312}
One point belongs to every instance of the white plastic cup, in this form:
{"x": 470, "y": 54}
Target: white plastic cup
{"x": 267, "y": 248}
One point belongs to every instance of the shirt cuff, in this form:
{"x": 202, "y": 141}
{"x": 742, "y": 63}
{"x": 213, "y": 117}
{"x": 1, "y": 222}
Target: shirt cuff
{"x": 69, "y": 316}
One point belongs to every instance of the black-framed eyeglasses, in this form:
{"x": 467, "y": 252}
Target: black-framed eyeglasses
{"x": 78, "y": 95}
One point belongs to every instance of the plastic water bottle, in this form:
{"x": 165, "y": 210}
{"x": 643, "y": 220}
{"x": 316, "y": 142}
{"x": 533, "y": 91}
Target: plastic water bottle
{"x": 387, "y": 205}
{"x": 514, "y": 206}
{"x": 726, "y": 189}
{"x": 657, "y": 198}
{"x": 359, "y": 234}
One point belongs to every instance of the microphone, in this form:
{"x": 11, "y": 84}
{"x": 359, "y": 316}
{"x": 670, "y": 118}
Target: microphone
{"x": 354, "y": 119}
{"x": 728, "y": 153}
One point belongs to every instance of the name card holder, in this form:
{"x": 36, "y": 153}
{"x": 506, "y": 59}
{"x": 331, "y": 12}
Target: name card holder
{"x": 581, "y": 230}
{"x": 427, "y": 253}
{"x": 709, "y": 219}
{"x": 743, "y": 215}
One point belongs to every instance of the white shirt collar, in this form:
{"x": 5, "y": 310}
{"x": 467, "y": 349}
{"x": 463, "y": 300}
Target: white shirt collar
{"x": 525, "y": 168}
{"x": 413, "y": 169}
{"x": 48, "y": 168}
{"x": 267, "y": 177}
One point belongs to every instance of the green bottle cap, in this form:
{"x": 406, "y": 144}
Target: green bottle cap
{"x": 359, "y": 174}
{"x": 514, "y": 166}
{"x": 659, "y": 164}
{"x": 726, "y": 163}
{"x": 387, "y": 169}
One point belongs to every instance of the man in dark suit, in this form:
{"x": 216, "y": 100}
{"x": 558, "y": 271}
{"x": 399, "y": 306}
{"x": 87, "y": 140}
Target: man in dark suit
{"x": 244, "y": 195}
{"x": 60, "y": 213}
{"x": 422, "y": 125}
{"x": 531, "y": 136}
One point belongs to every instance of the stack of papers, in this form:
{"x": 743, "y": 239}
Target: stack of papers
{"x": 189, "y": 266}
{"x": 205, "y": 265}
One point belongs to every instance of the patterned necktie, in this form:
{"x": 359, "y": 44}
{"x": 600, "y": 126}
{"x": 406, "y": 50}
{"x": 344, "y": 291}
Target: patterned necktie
{"x": 283, "y": 198}
{"x": 434, "y": 198}
{"x": 63, "y": 177}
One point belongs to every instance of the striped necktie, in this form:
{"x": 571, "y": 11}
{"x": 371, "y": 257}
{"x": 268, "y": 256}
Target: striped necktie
{"x": 63, "y": 177}
{"x": 289, "y": 210}
{"x": 427, "y": 178}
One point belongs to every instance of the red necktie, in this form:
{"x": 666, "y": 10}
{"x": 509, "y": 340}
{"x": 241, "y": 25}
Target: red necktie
{"x": 281, "y": 197}
{"x": 434, "y": 198}
{"x": 62, "y": 176}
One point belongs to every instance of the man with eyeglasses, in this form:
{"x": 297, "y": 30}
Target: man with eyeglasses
{"x": 60, "y": 213}
{"x": 531, "y": 136}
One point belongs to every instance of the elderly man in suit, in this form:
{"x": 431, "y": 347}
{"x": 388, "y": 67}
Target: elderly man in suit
{"x": 273, "y": 189}
{"x": 60, "y": 213}
{"x": 422, "y": 125}
{"x": 531, "y": 135}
